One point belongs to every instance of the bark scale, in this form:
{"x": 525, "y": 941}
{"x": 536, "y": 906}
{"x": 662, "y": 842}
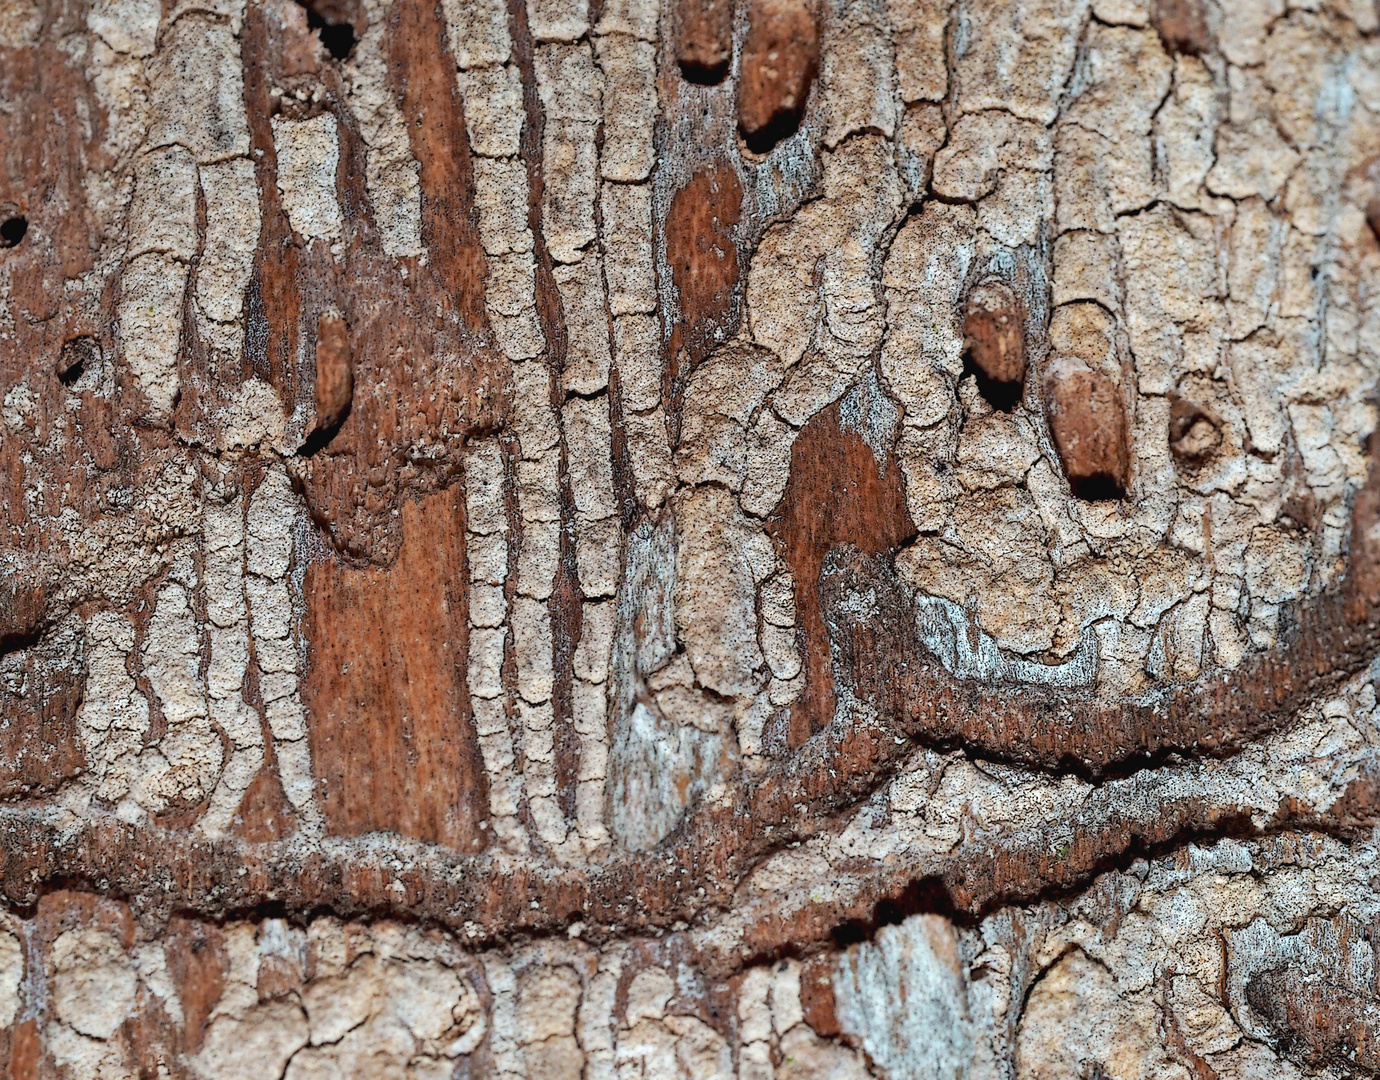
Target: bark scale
{"x": 773, "y": 539}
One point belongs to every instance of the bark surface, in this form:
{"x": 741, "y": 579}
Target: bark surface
{"x": 621, "y": 539}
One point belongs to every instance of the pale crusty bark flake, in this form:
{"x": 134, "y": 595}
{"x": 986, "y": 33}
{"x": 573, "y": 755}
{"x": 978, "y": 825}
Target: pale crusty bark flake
{"x": 621, "y": 539}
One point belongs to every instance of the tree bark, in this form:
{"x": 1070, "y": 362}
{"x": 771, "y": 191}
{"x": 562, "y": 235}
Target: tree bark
{"x": 776, "y": 539}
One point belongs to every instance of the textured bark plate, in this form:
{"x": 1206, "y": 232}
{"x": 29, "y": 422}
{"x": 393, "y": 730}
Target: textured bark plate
{"x": 777, "y": 539}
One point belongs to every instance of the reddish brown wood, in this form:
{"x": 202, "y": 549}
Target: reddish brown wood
{"x": 1363, "y": 568}
{"x": 155, "y": 1039}
{"x": 392, "y": 734}
{"x": 198, "y": 964}
{"x": 832, "y": 467}
{"x": 1087, "y": 420}
{"x": 994, "y": 331}
{"x": 26, "y": 1051}
{"x": 45, "y": 158}
{"x": 279, "y": 52}
{"x": 1183, "y": 27}
{"x": 420, "y": 364}
{"x": 705, "y": 39}
{"x": 780, "y": 58}
{"x": 817, "y": 996}
{"x": 1181, "y": 1050}
{"x": 264, "y": 812}
{"x": 424, "y": 73}
{"x": 704, "y": 262}
{"x": 385, "y": 603}
{"x": 39, "y": 743}
{"x": 335, "y": 376}
{"x": 53, "y": 133}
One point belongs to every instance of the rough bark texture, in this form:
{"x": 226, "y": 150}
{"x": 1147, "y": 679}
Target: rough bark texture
{"x": 615, "y": 539}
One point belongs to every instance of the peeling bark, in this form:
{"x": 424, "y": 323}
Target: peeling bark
{"x": 762, "y": 539}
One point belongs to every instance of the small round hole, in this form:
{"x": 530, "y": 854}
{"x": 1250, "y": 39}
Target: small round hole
{"x": 12, "y": 230}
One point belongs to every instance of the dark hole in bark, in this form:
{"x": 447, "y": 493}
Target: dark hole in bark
{"x": 19, "y": 640}
{"x": 925, "y": 896}
{"x": 339, "y": 40}
{"x": 321, "y": 438}
{"x": 76, "y": 355}
{"x": 703, "y": 74}
{"x": 851, "y": 932}
{"x": 338, "y": 35}
{"x": 73, "y": 373}
{"x": 12, "y": 230}
{"x": 1002, "y": 396}
{"x": 1096, "y": 488}
{"x": 782, "y": 125}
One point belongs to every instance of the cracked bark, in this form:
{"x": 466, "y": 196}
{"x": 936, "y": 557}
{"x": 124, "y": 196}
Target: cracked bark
{"x": 761, "y": 539}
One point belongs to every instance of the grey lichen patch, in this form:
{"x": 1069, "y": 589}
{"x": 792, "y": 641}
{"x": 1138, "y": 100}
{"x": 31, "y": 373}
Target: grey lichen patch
{"x": 915, "y": 965}
{"x": 972, "y": 654}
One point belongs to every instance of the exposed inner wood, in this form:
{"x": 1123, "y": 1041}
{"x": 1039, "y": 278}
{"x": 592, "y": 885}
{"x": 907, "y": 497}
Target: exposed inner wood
{"x": 393, "y": 742}
{"x": 762, "y": 540}
{"x": 780, "y": 60}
